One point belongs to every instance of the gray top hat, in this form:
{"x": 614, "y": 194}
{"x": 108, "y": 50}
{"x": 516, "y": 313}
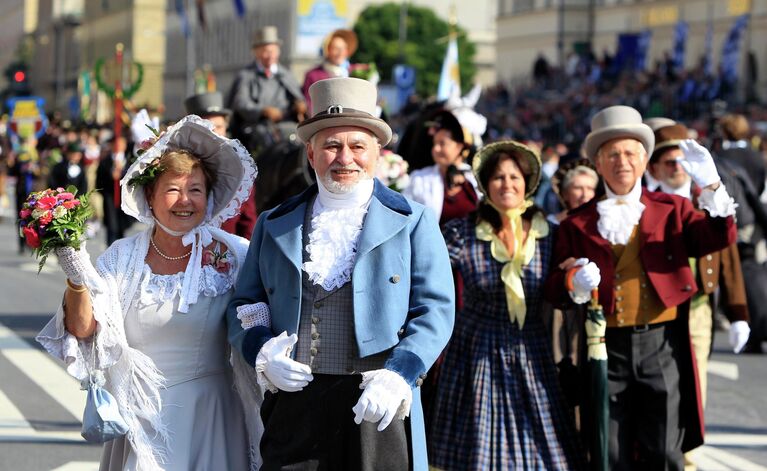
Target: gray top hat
{"x": 657, "y": 123}
{"x": 206, "y": 104}
{"x": 344, "y": 101}
{"x": 617, "y": 122}
{"x": 266, "y": 35}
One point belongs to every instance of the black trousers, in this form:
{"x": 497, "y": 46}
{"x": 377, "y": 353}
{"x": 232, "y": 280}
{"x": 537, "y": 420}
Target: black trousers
{"x": 643, "y": 382}
{"x": 314, "y": 429}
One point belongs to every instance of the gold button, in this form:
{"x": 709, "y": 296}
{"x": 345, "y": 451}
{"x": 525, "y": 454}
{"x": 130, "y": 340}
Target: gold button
{"x": 644, "y": 296}
{"x": 670, "y": 257}
{"x": 709, "y": 271}
{"x": 317, "y": 305}
{"x": 400, "y": 332}
{"x": 418, "y": 382}
{"x": 617, "y": 276}
{"x": 394, "y": 279}
{"x": 644, "y": 285}
{"x": 315, "y": 320}
{"x": 620, "y": 309}
{"x": 313, "y": 351}
{"x": 709, "y": 284}
{"x": 618, "y": 288}
{"x": 620, "y": 321}
{"x": 709, "y": 257}
{"x": 619, "y": 298}
{"x": 315, "y": 335}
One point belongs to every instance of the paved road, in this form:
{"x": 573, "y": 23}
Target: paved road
{"x": 40, "y": 405}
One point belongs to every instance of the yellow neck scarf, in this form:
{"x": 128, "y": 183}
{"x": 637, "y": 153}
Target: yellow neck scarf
{"x": 511, "y": 274}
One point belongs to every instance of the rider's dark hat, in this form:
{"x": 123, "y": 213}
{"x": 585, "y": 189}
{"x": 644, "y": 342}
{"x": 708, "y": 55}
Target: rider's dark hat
{"x": 206, "y": 104}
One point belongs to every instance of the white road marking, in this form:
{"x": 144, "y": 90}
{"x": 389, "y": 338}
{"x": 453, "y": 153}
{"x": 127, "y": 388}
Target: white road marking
{"x": 713, "y": 459}
{"x": 736, "y": 439}
{"x": 44, "y": 371}
{"x": 724, "y": 369}
{"x": 79, "y": 466}
{"x": 15, "y": 428}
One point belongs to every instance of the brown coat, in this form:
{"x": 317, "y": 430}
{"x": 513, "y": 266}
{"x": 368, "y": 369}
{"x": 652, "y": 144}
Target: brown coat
{"x": 723, "y": 269}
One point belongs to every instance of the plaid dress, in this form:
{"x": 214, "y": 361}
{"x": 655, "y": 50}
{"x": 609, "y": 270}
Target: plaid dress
{"x": 498, "y": 404}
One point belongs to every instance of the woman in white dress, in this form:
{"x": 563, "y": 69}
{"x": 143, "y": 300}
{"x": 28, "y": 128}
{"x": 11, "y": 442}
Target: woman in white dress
{"x": 154, "y": 306}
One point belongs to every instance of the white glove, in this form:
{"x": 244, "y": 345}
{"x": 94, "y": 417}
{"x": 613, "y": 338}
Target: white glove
{"x": 698, "y": 163}
{"x": 276, "y": 370}
{"x": 585, "y": 280}
{"x": 251, "y": 315}
{"x": 739, "y": 332}
{"x": 386, "y": 395}
{"x": 76, "y": 264}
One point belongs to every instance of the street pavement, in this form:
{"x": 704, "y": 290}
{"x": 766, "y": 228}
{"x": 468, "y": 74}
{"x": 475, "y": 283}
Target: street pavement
{"x": 41, "y": 405}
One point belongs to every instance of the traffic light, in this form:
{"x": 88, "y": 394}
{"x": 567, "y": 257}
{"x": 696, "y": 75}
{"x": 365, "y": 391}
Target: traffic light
{"x": 18, "y": 79}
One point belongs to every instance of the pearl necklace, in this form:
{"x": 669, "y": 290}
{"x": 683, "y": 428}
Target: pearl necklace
{"x": 166, "y": 257}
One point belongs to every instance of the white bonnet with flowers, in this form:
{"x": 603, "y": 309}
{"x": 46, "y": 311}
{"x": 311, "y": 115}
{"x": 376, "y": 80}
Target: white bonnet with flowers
{"x": 234, "y": 173}
{"x": 233, "y": 167}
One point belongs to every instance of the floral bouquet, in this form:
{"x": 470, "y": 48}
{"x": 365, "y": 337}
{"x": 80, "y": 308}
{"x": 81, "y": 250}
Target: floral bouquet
{"x": 54, "y": 218}
{"x": 392, "y": 171}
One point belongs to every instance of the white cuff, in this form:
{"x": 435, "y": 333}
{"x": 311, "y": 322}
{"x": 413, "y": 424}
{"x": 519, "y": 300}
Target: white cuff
{"x": 718, "y": 202}
{"x": 261, "y": 378}
{"x": 579, "y": 298}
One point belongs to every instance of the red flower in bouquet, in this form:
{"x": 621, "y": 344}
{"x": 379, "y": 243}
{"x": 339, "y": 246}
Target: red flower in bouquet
{"x": 31, "y": 237}
{"x": 53, "y": 218}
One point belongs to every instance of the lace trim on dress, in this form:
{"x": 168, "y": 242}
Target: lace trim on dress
{"x": 158, "y": 289}
{"x": 332, "y": 245}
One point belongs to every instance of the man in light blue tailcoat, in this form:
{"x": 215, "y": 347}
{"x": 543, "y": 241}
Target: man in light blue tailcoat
{"x": 360, "y": 289}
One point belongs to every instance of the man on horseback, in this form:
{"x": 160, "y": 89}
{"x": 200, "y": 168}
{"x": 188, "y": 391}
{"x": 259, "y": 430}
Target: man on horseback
{"x": 265, "y": 97}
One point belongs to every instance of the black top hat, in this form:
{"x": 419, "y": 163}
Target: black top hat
{"x": 206, "y": 104}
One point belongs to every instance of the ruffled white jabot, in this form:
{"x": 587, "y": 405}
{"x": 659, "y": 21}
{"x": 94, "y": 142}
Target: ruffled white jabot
{"x": 618, "y": 214}
{"x": 336, "y": 226}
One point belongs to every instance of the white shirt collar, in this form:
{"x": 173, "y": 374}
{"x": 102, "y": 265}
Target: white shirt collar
{"x": 631, "y": 196}
{"x": 358, "y": 197}
{"x": 683, "y": 191}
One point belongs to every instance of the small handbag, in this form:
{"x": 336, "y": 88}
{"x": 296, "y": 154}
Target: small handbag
{"x": 102, "y": 421}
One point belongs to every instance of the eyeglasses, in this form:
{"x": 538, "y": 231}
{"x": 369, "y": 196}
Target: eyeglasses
{"x": 672, "y": 163}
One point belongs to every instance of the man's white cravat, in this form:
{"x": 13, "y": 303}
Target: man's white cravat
{"x": 337, "y": 220}
{"x": 618, "y": 214}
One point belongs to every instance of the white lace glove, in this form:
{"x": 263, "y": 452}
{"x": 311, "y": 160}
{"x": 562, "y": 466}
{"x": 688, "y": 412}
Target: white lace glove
{"x": 275, "y": 370}
{"x": 386, "y": 395}
{"x": 739, "y": 332}
{"x": 76, "y": 264}
{"x": 698, "y": 163}
{"x": 585, "y": 280}
{"x": 251, "y": 315}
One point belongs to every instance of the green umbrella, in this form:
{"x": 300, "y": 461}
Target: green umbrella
{"x": 597, "y": 363}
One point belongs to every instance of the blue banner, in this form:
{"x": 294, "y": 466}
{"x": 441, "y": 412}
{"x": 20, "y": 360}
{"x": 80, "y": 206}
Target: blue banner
{"x": 680, "y": 42}
{"x": 182, "y": 16}
{"x": 632, "y": 50}
{"x": 731, "y": 49}
{"x": 239, "y": 8}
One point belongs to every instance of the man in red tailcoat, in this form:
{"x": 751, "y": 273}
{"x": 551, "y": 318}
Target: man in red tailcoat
{"x": 634, "y": 246}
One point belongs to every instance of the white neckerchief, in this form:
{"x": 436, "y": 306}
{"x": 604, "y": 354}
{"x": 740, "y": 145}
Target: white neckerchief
{"x": 336, "y": 226}
{"x": 199, "y": 238}
{"x": 618, "y": 214}
{"x": 336, "y": 70}
{"x": 683, "y": 191}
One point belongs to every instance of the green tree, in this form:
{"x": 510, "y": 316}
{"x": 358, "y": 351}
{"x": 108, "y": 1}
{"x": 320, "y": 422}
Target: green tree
{"x": 378, "y": 31}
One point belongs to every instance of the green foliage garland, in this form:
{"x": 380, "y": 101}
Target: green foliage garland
{"x": 109, "y": 90}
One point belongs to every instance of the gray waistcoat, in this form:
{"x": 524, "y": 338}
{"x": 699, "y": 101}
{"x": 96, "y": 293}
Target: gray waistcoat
{"x": 326, "y": 339}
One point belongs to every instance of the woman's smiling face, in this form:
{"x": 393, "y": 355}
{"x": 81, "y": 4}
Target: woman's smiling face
{"x": 179, "y": 201}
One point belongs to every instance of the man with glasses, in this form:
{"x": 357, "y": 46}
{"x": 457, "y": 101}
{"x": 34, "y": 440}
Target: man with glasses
{"x": 634, "y": 245}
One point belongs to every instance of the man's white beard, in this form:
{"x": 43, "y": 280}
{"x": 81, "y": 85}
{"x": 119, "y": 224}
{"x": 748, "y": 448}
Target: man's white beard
{"x": 342, "y": 188}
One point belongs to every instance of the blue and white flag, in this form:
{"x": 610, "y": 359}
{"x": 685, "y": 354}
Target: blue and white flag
{"x": 731, "y": 49}
{"x": 450, "y": 78}
{"x": 680, "y": 41}
{"x": 643, "y": 46}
